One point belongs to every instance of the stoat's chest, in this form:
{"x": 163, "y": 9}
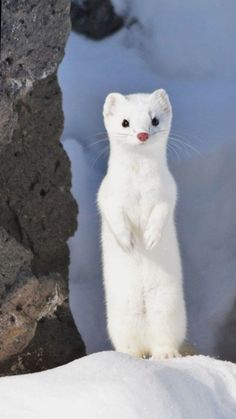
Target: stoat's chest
{"x": 142, "y": 189}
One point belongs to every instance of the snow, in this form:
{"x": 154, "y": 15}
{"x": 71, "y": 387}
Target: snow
{"x": 113, "y": 385}
{"x": 188, "y": 39}
{"x": 188, "y": 49}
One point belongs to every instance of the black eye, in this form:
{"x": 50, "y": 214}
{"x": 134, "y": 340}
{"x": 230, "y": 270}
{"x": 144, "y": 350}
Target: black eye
{"x": 155, "y": 122}
{"x": 125, "y": 123}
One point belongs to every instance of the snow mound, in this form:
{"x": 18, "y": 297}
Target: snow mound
{"x": 184, "y": 39}
{"x": 113, "y": 385}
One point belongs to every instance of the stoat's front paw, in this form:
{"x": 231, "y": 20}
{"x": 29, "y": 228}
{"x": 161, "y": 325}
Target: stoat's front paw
{"x": 126, "y": 240}
{"x": 151, "y": 237}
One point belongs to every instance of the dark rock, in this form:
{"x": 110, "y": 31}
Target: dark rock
{"x": 14, "y": 261}
{"x": 37, "y": 210}
{"x": 34, "y": 34}
{"x": 35, "y": 179}
{"x": 8, "y": 118}
{"x": 95, "y": 18}
{"x": 28, "y": 299}
{"x": 41, "y": 351}
{"x": 227, "y": 336}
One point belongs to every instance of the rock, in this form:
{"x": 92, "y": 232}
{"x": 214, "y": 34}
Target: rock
{"x": 226, "y": 342}
{"x": 188, "y": 349}
{"x": 34, "y": 34}
{"x": 28, "y": 300}
{"x": 37, "y": 211}
{"x": 15, "y": 261}
{"x": 62, "y": 344}
{"x": 95, "y": 18}
{"x": 35, "y": 180}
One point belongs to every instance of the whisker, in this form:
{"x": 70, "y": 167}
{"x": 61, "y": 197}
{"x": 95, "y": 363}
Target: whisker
{"x": 121, "y": 135}
{"x": 96, "y": 134}
{"x": 181, "y": 147}
{"x": 186, "y": 135}
{"x": 171, "y": 148}
{"x": 178, "y": 140}
{"x": 100, "y": 156}
{"x": 182, "y": 138}
{"x": 175, "y": 136}
{"x": 162, "y": 130}
{"x": 103, "y": 140}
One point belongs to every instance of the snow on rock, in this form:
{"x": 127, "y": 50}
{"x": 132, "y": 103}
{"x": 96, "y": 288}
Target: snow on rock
{"x": 113, "y": 385}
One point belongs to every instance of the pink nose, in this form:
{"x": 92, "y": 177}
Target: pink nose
{"x": 143, "y": 136}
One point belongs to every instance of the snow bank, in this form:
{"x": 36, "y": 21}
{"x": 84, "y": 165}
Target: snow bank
{"x": 113, "y": 385}
{"x": 188, "y": 39}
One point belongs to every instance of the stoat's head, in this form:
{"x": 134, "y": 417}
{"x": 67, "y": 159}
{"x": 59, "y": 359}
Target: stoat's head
{"x": 140, "y": 120}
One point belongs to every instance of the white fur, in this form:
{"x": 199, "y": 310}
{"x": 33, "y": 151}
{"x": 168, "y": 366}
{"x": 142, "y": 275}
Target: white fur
{"x": 141, "y": 261}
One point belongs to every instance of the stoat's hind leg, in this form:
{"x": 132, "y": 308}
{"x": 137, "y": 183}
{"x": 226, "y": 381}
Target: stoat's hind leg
{"x": 166, "y": 321}
{"x": 164, "y": 353}
{"x": 136, "y": 352}
{"x": 126, "y": 335}
{"x": 128, "y": 343}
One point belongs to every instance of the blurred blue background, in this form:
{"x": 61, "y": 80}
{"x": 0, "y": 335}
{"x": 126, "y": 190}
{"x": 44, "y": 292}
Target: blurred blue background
{"x": 189, "y": 49}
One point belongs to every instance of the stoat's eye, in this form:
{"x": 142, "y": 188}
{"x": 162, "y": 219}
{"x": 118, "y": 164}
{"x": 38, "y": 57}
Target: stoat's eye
{"x": 155, "y": 122}
{"x": 125, "y": 123}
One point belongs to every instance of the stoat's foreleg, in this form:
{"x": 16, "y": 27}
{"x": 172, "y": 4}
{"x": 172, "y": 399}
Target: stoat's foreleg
{"x": 119, "y": 225}
{"x": 156, "y": 223}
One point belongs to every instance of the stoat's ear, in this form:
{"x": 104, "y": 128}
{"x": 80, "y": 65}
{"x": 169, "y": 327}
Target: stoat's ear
{"x": 162, "y": 97}
{"x": 111, "y": 103}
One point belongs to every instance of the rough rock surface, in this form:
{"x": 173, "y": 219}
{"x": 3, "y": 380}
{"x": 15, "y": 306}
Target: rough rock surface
{"x": 62, "y": 344}
{"x": 37, "y": 210}
{"x": 34, "y": 34}
{"x": 95, "y": 18}
{"x": 227, "y": 336}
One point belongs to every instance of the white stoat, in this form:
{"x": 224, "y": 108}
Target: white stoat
{"x": 141, "y": 261}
